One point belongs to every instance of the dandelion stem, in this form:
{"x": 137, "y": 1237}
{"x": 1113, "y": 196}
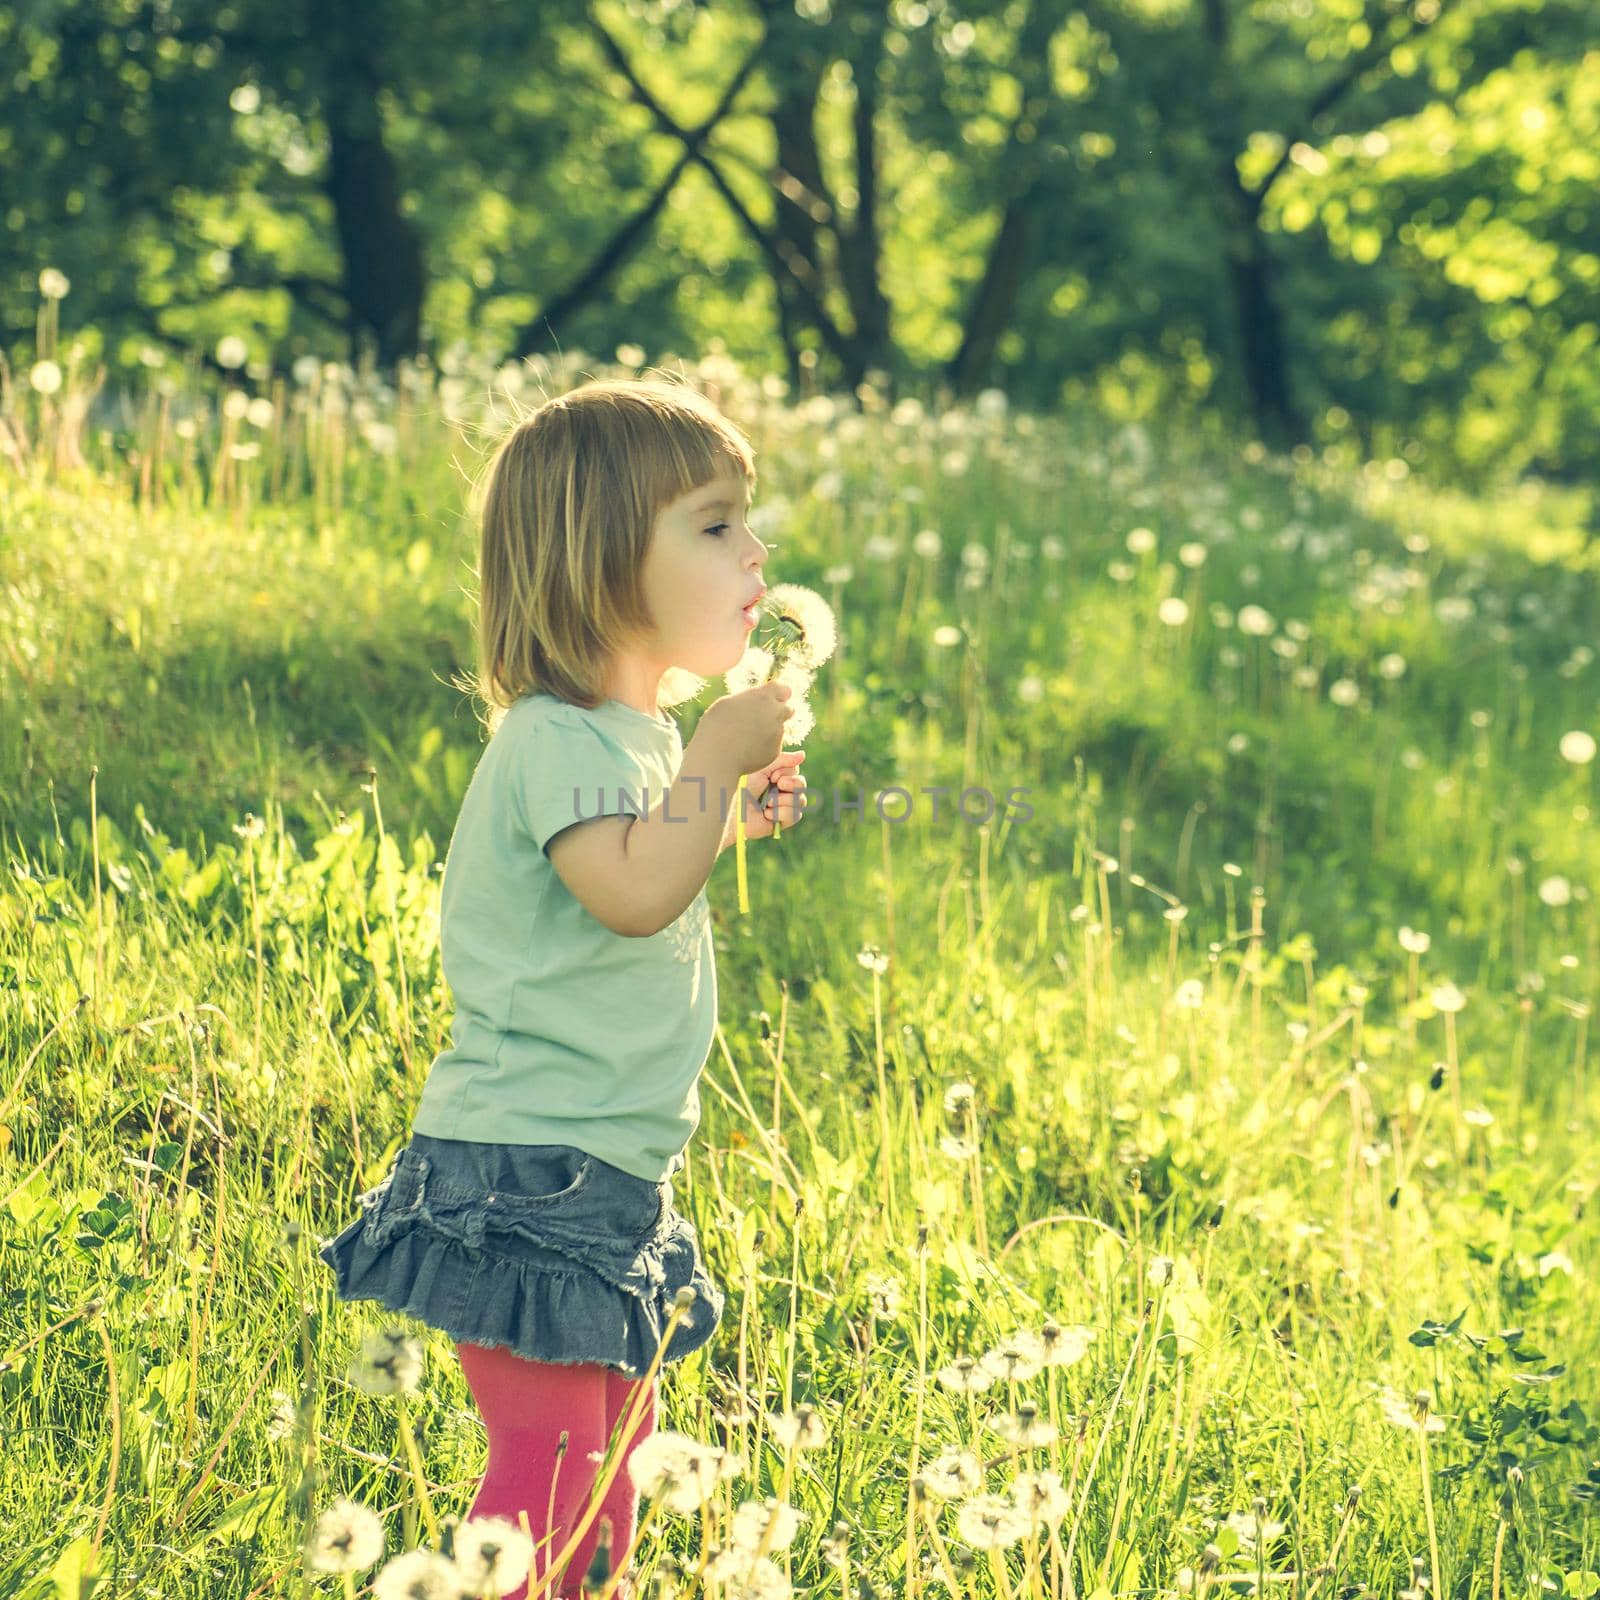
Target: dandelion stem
{"x": 738, "y": 845}
{"x": 1427, "y": 1506}
{"x": 414, "y": 1455}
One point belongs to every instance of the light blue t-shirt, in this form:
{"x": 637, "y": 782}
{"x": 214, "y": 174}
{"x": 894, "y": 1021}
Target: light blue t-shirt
{"x": 565, "y": 1032}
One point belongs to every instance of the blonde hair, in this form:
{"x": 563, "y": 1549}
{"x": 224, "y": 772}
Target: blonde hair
{"x": 569, "y": 499}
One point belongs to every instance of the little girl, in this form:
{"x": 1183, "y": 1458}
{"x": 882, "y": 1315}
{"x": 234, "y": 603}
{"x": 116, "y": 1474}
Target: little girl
{"x": 530, "y": 1217}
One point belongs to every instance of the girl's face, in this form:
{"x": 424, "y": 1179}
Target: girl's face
{"x": 702, "y": 569}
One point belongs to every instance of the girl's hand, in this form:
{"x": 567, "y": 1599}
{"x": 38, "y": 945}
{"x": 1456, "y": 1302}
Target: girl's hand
{"x": 780, "y": 790}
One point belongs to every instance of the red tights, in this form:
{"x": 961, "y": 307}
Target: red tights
{"x": 526, "y": 1405}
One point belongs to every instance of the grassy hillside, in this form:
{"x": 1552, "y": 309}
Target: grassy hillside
{"x": 1259, "y": 1050}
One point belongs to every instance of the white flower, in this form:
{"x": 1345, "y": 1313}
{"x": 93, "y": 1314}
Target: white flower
{"x": 965, "y": 1376}
{"x": 232, "y": 351}
{"x": 675, "y": 1470}
{"x": 958, "y": 1148}
{"x": 1024, "y": 1427}
{"x": 418, "y": 1575}
{"x": 881, "y": 547}
{"x": 1252, "y": 1528}
{"x": 800, "y": 1429}
{"x": 1255, "y": 621}
{"x": 1555, "y": 1261}
{"x": 805, "y": 619}
{"x": 1173, "y": 611}
{"x": 975, "y": 555}
{"x": 1141, "y": 541}
{"x": 886, "y": 1295}
{"x": 45, "y": 377}
{"x": 1160, "y": 1270}
{"x": 750, "y": 1522}
{"x": 958, "y": 1097}
{"x": 1064, "y": 1347}
{"x": 389, "y": 1362}
{"x": 991, "y": 403}
{"x": 1019, "y": 1357}
{"x": 1556, "y": 891}
{"x": 951, "y": 1474}
{"x": 1040, "y": 1497}
{"x": 1446, "y": 997}
{"x": 1478, "y": 1117}
{"x": 927, "y": 544}
{"x": 1403, "y": 1413}
{"x": 1190, "y": 995}
{"x": 761, "y": 1580}
{"x": 1030, "y": 689}
{"x": 1414, "y": 941}
{"x": 1392, "y": 666}
{"x": 945, "y": 635}
{"x": 1051, "y": 548}
{"x": 493, "y": 1553}
{"x": 991, "y": 1522}
{"x": 1344, "y": 691}
{"x": 872, "y": 958}
{"x": 345, "y": 1538}
{"x": 1577, "y": 747}
{"x": 753, "y": 667}
{"x": 54, "y": 284}
{"x": 1192, "y": 554}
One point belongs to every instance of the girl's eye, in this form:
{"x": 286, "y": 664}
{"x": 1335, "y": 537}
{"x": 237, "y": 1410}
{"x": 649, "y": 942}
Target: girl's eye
{"x": 718, "y": 528}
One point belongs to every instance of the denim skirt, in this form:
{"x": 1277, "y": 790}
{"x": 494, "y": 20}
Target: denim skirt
{"x": 542, "y": 1248}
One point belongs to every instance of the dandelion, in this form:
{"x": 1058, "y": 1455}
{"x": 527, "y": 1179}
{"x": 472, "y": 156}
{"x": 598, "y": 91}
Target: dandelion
{"x": 1255, "y": 621}
{"x": 45, "y": 377}
{"x": 1040, "y": 1497}
{"x": 881, "y": 547}
{"x": 761, "y": 1580}
{"x": 1051, "y": 548}
{"x": 345, "y": 1538}
{"x": 927, "y": 544}
{"x": 1120, "y": 571}
{"x": 1555, "y": 1261}
{"x": 872, "y": 958}
{"x": 1446, "y": 997}
{"x": 1478, "y": 1117}
{"x": 958, "y": 1097}
{"x": 1016, "y": 1358}
{"x": 1173, "y": 611}
{"x": 842, "y": 573}
{"x": 800, "y": 1429}
{"x": 951, "y": 1474}
{"x": 1252, "y": 1526}
{"x": 964, "y": 1375}
{"x": 991, "y": 1522}
{"x": 752, "y": 1519}
{"x": 676, "y": 1471}
{"x": 1344, "y": 692}
{"x": 389, "y": 1362}
{"x": 945, "y": 636}
{"x": 886, "y": 1295}
{"x": 836, "y": 1546}
{"x": 1190, "y": 995}
{"x": 1577, "y": 747}
{"x": 1414, "y": 1414}
{"x": 1415, "y": 942}
{"x": 1160, "y": 1270}
{"x": 418, "y": 1575}
{"x": 1556, "y": 890}
{"x": 958, "y": 1147}
{"x": 232, "y": 351}
{"x": 1030, "y": 689}
{"x": 54, "y": 284}
{"x": 492, "y": 1553}
{"x": 1193, "y": 554}
{"x": 975, "y": 555}
{"x": 1141, "y": 541}
{"x": 1392, "y": 666}
{"x": 285, "y": 1413}
{"x": 1064, "y": 1347}
{"x": 1024, "y": 1427}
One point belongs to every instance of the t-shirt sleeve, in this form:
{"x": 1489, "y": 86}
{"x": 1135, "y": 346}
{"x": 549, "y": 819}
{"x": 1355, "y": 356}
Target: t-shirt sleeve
{"x": 565, "y": 771}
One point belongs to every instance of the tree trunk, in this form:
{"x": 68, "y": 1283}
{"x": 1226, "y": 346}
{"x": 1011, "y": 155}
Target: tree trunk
{"x": 382, "y": 257}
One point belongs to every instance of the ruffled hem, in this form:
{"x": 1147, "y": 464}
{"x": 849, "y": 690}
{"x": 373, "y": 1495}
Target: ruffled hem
{"x": 563, "y": 1314}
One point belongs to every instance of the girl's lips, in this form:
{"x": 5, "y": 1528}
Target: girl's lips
{"x": 751, "y": 615}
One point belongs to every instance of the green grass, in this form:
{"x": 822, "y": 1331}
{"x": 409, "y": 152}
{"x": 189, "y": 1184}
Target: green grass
{"x": 1266, "y": 1209}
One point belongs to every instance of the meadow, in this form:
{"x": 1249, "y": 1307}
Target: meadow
{"x": 1164, "y": 1166}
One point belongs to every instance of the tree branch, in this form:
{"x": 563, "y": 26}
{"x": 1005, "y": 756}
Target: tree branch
{"x": 788, "y": 261}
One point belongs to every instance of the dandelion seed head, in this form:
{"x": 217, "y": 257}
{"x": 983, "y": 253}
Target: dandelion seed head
{"x": 418, "y": 1575}
{"x": 492, "y": 1553}
{"x": 389, "y": 1362}
{"x": 346, "y": 1537}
